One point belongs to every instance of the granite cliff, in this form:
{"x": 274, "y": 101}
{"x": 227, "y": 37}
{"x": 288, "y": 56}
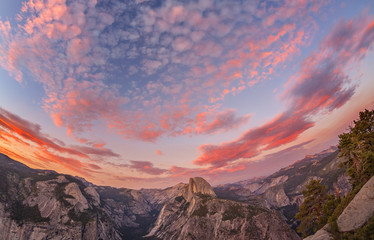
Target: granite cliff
{"x": 198, "y": 214}
{"x": 36, "y": 204}
{"x": 40, "y": 204}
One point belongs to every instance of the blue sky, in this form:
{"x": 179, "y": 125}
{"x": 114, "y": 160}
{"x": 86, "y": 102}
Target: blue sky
{"x": 155, "y": 91}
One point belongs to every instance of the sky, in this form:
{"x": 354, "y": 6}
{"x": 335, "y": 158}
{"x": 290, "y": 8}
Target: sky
{"x": 146, "y": 94}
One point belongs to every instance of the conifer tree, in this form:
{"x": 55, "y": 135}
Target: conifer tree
{"x": 357, "y": 147}
{"x": 310, "y": 212}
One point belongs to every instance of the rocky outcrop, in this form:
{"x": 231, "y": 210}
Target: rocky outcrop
{"x": 354, "y": 216}
{"x": 198, "y": 214}
{"x": 49, "y": 211}
{"x": 322, "y": 234}
{"x": 198, "y": 186}
{"x": 79, "y": 202}
{"x": 94, "y": 195}
{"x": 158, "y": 197}
{"x": 359, "y": 210}
{"x": 38, "y": 205}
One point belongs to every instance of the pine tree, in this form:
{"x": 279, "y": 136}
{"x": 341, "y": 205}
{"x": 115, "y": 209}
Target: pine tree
{"x": 357, "y": 146}
{"x": 311, "y": 215}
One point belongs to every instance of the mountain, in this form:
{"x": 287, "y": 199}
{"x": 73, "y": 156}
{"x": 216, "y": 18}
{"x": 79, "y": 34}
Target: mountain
{"x": 37, "y": 204}
{"x": 283, "y": 189}
{"x": 134, "y": 211}
{"x": 197, "y": 213}
{"x": 41, "y": 204}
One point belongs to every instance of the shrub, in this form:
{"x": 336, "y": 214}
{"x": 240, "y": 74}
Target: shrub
{"x": 61, "y": 195}
{"x": 21, "y": 213}
{"x": 179, "y": 199}
{"x": 202, "y": 211}
{"x": 83, "y": 217}
{"x": 232, "y": 212}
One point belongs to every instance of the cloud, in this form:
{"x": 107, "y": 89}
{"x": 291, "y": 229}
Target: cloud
{"x": 30, "y": 132}
{"x": 159, "y": 152}
{"x": 123, "y": 65}
{"x": 145, "y": 167}
{"x": 281, "y": 130}
{"x": 223, "y": 121}
{"x": 83, "y": 102}
{"x": 104, "y": 152}
{"x": 25, "y": 141}
{"x": 321, "y": 85}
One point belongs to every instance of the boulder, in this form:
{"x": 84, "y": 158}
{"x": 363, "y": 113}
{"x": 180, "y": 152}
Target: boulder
{"x": 321, "y": 234}
{"x": 359, "y": 210}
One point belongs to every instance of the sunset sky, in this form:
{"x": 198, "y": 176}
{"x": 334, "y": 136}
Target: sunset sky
{"x": 145, "y": 94}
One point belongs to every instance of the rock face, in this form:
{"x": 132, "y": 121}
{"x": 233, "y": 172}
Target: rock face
{"x": 283, "y": 190}
{"x": 198, "y": 186}
{"x": 40, "y": 204}
{"x": 359, "y": 210}
{"x": 36, "y": 204}
{"x": 78, "y": 200}
{"x": 134, "y": 211}
{"x": 322, "y": 234}
{"x": 198, "y": 214}
{"x": 65, "y": 207}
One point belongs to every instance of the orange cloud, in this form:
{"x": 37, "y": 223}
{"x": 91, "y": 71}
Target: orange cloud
{"x": 24, "y": 141}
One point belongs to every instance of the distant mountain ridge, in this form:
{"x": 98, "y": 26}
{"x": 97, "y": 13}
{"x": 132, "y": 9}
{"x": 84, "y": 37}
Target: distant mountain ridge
{"x": 198, "y": 214}
{"x": 282, "y": 190}
{"x": 43, "y": 204}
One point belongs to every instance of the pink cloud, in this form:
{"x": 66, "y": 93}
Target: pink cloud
{"x": 159, "y": 152}
{"x": 104, "y": 152}
{"x": 223, "y": 121}
{"x": 145, "y": 167}
{"x": 205, "y": 58}
{"x": 321, "y": 85}
{"x": 283, "y": 129}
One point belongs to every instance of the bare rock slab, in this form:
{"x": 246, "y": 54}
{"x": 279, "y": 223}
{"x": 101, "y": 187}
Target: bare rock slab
{"x": 359, "y": 210}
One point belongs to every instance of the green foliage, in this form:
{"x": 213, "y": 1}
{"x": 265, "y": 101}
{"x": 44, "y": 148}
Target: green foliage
{"x": 3, "y": 183}
{"x": 339, "y": 209}
{"x": 232, "y": 212}
{"x": 311, "y": 212}
{"x": 254, "y": 210}
{"x": 179, "y": 199}
{"x": 328, "y": 208}
{"x": 186, "y": 206}
{"x": 357, "y": 146}
{"x": 21, "y": 213}
{"x": 202, "y": 211}
{"x": 61, "y": 195}
{"x": 204, "y": 196}
{"x": 82, "y": 217}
